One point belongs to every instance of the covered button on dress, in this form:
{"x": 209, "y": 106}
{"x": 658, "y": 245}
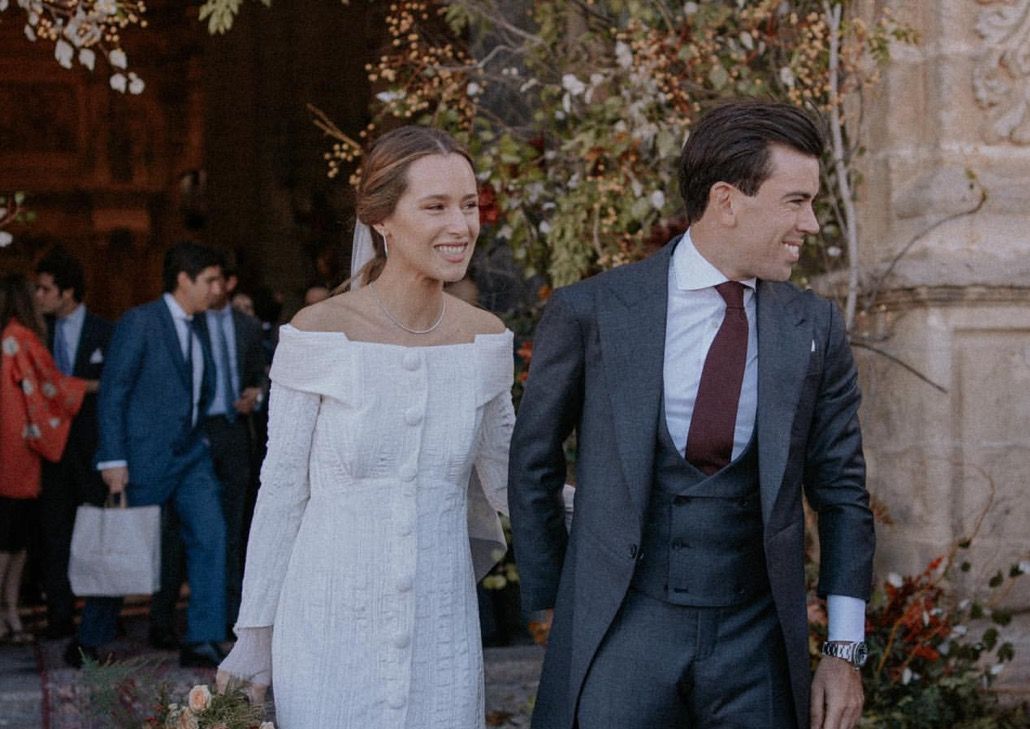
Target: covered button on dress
{"x": 386, "y": 469}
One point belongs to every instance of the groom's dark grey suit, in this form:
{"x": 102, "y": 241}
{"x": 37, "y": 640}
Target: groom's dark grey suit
{"x": 598, "y": 369}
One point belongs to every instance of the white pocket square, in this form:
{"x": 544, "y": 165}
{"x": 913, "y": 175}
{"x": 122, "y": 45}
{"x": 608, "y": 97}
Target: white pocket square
{"x": 98, "y": 356}
{"x": 813, "y": 345}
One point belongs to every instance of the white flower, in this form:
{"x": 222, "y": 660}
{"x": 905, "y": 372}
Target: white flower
{"x": 10, "y": 345}
{"x": 906, "y": 676}
{"x": 108, "y": 7}
{"x": 747, "y": 41}
{"x": 596, "y": 78}
{"x": 833, "y": 251}
{"x": 31, "y": 432}
{"x": 566, "y": 103}
{"x": 528, "y": 85}
{"x": 964, "y": 605}
{"x": 136, "y": 84}
{"x": 895, "y": 580}
{"x": 30, "y": 33}
{"x": 997, "y": 668}
{"x": 118, "y": 82}
{"x": 199, "y": 699}
{"x": 390, "y": 96}
{"x": 959, "y": 630}
{"x": 3, "y": 5}
{"x": 572, "y": 84}
{"x": 944, "y": 648}
{"x": 87, "y": 58}
{"x": 6, "y": 239}
{"x": 49, "y": 390}
{"x": 33, "y": 18}
{"x": 54, "y": 422}
{"x": 505, "y": 232}
{"x": 787, "y": 76}
{"x": 118, "y": 58}
{"x": 544, "y": 227}
{"x": 1024, "y": 566}
{"x": 64, "y": 53}
{"x": 623, "y": 54}
{"x": 658, "y": 199}
{"x": 690, "y": 8}
{"x": 472, "y": 89}
{"x": 27, "y": 387}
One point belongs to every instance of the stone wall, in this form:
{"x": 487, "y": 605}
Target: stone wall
{"x": 945, "y": 228}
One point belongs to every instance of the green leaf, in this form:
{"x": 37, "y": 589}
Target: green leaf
{"x": 996, "y": 580}
{"x": 718, "y": 77}
{"x": 219, "y": 14}
{"x": 965, "y": 566}
{"x": 1001, "y": 617}
{"x": 990, "y": 638}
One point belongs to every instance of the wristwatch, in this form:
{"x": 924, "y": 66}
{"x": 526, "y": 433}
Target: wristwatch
{"x": 846, "y": 650}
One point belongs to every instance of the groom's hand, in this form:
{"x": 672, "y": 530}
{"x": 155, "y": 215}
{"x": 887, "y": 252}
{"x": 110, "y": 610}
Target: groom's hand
{"x": 837, "y": 695}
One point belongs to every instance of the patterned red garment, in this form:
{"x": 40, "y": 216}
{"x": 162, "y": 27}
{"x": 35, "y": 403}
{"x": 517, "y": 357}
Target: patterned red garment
{"x": 37, "y": 404}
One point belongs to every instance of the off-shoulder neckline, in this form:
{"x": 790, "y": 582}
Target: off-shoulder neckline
{"x": 343, "y": 336}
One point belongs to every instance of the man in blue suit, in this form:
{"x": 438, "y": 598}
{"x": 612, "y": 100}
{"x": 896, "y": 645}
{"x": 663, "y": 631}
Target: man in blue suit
{"x": 154, "y": 393}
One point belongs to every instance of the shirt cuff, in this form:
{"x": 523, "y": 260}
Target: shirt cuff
{"x": 845, "y": 618}
{"x": 104, "y": 465}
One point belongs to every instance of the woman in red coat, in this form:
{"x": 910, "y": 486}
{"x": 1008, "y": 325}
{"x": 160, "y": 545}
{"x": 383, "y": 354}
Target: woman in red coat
{"x": 37, "y": 404}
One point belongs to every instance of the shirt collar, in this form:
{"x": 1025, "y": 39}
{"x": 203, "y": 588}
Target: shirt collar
{"x": 176, "y": 310}
{"x": 76, "y": 317}
{"x": 693, "y": 271}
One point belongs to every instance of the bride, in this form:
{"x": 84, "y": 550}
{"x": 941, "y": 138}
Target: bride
{"x": 390, "y": 416}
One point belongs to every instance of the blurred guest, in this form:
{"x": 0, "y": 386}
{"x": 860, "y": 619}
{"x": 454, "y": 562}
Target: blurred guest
{"x": 78, "y": 340}
{"x": 37, "y": 404}
{"x": 314, "y": 294}
{"x": 243, "y": 303}
{"x": 157, "y": 384}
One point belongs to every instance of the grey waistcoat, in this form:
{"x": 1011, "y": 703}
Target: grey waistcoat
{"x": 702, "y": 542}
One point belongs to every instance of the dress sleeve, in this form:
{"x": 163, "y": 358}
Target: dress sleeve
{"x": 52, "y": 399}
{"x": 250, "y": 660}
{"x": 492, "y": 450}
{"x": 281, "y": 502}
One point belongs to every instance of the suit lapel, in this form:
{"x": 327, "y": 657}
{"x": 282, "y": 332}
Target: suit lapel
{"x": 784, "y": 350}
{"x": 85, "y": 349}
{"x": 631, "y": 323}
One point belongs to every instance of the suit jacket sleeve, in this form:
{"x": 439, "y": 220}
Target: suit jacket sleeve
{"x": 124, "y": 360}
{"x": 550, "y": 408}
{"x": 835, "y": 473}
{"x": 252, "y": 369}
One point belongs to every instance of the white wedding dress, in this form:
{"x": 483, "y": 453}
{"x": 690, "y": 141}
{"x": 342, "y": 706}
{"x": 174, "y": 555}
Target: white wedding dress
{"x": 359, "y": 556}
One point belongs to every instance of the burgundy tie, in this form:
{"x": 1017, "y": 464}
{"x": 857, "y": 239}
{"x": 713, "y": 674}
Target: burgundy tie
{"x": 710, "y": 440}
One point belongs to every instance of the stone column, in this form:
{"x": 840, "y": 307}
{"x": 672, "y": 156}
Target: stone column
{"x": 945, "y": 209}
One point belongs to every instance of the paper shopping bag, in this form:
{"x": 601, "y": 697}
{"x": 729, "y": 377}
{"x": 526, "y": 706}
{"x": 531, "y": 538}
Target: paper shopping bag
{"x": 116, "y": 551}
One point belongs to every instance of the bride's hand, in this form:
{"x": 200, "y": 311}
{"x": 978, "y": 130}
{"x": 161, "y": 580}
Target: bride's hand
{"x": 255, "y": 692}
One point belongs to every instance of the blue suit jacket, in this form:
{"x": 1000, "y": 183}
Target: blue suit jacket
{"x": 144, "y": 402}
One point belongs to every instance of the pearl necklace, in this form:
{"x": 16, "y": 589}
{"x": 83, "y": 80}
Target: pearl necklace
{"x": 398, "y": 322}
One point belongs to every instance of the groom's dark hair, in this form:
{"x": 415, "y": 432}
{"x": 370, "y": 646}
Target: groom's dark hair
{"x": 731, "y": 144}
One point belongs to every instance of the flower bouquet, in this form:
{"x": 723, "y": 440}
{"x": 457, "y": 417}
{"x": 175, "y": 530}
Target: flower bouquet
{"x": 206, "y": 710}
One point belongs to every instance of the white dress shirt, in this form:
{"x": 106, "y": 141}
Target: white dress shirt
{"x": 695, "y": 313}
{"x": 220, "y": 326}
{"x": 70, "y": 331}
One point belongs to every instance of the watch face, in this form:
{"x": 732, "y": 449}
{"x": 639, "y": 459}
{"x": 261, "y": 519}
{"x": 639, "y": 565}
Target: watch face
{"x": 861, "y": 655}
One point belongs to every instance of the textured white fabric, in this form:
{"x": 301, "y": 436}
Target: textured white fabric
{"x": 359, "y": 553}
{"x": 251, "y": 658}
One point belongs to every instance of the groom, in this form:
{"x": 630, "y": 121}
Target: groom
{"x": 706, "y": 394}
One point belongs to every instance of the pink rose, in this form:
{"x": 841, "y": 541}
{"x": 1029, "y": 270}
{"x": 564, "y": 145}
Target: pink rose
{"x": 199, "y": 699}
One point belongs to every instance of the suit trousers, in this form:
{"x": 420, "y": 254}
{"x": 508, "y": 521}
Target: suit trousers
{"x": 196, "y": 499}
{"x": 666, "y": 666}
{"x": 230, "y": 452}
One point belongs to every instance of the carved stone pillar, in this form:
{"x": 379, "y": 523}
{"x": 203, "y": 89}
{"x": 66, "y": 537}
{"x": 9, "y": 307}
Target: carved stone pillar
{"x": 945, "y": 227}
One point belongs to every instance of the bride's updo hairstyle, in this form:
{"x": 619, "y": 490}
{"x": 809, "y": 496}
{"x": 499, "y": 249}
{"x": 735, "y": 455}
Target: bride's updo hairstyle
{"x": 384, "y": 179}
